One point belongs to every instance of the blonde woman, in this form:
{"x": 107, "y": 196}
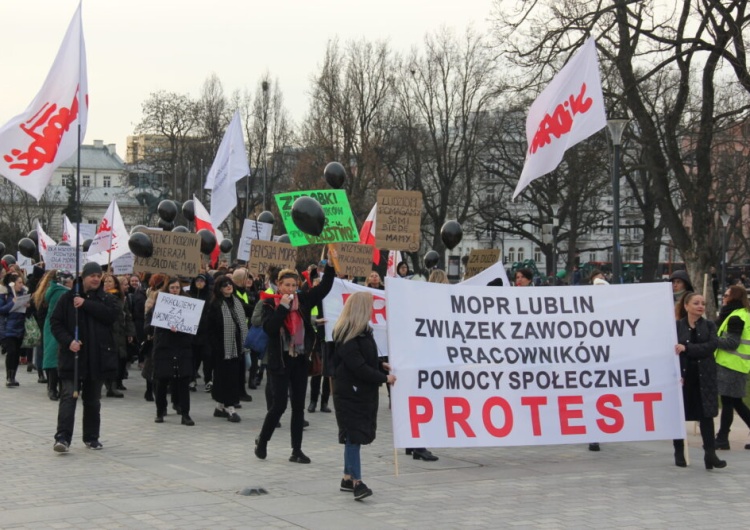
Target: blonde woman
{"x": 355, "y": 394}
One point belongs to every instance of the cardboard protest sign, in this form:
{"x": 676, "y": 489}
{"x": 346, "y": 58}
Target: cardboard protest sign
{"x": 175, "y": 254}
{"x": 352, "y": 259}
{"x": 480, "y": 366}
{"x": 63, "y": 257}
{"x": 481, "y": 259}
{"x": 398, "y": 219}
{"x": 180, "y": 312}
{"x": 252, "y": 230}
{"x": 123, "y": 264}
{"x": 340, "y": 225}
{"x": 265, "y": 254}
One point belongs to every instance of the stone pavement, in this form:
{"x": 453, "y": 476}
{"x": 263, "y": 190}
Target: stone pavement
{"x": 172, "y": 476}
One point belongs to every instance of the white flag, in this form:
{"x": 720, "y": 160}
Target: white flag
{"x": 38, "y": 140}
{"x": 69, "y": 233}
{"x": 568, "y": 111}
{"x": 111, "y": 239}
{"x": 394, "y": 258}
{"x": 229, "y": 166}
{"x": 44, "y": 241}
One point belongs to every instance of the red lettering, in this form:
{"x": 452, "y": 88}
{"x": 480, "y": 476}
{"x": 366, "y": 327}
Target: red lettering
{"x": 577, "y": 103}
{"x": 453, "y": 417}
{"x": 561, "y": 121}
{"x": 415, "y": 416}
{"x": 534, "y": 402}
{"x": 648, "y": 398}
{"x": 605, "y": 406}
{"x": 378, "y": 308}
{"x": 566, "y": 414}
{"x": 507, "y": 427}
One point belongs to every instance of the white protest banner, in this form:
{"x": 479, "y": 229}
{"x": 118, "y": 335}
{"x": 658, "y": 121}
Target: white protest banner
{"x": 63, "y": 257}
{"x": 556, "y": 365}
{"x": 334, "y": 302}
{"x": 86, "y": 231}
{"x": 180, "y": 312}
{"x": 489, "y": 274}
{"x": 252, "y": 230}
{"x": 123, "y": 264}
{"x": 20, "y": 303}
{"x": 25, "y": 263}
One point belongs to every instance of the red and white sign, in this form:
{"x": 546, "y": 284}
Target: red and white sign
{"x": 367, "y": 234}
{"x": 334, "y": 302}
{"x": 568, "y": 111}
{"x": 38, "y": 140}
{"x": 203, "y": 220}
{"x": 478, "y": 366}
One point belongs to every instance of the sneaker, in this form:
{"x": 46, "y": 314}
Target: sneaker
{"x": 221, "y": 413}
{"x": 208, "y": 387}
{"x": 361, "y": 491}
{"x": 260, "y": 449}
{"x": 234, "y": 417}
{"x": 298, "y": 457}
{"x": 94, "y": 444}
{"x": 187, "y": 420}
{"x": 347, "y": 484}
{"x": 61, "y": 446}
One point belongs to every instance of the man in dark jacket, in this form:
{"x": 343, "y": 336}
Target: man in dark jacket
{"x": 82, "y": 324}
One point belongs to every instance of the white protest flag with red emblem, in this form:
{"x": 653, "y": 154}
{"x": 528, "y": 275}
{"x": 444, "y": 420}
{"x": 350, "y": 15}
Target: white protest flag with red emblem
{"x": 568, "y": 111}
{"x": 44, "y": 241}
{"x": 367, "y": 234}
{"x": 38, "y": 140}
{"x": 69, "y": 233}
{"x": 229, "y": 166}
{"x": 203, "y": 220}
{"x": 111, "y": 239}
{"x": 394, "y": 258}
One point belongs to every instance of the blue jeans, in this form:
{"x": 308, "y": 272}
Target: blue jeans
{"x": 352, "y": 463}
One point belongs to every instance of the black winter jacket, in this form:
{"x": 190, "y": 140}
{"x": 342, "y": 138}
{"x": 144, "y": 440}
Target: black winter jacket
{"x": 700, "y": 354}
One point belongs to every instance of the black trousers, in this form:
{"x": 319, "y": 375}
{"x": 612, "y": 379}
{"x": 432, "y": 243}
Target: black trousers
{"x": 12, "y": 347}
{"x": 202, "y": 353}
{"x": 91, "y": 394}
{"x": 728, "y": 406}
{"x": 290, "y": 385}
{"x": 180, "y": 394}
{"x": 316, "y": 382}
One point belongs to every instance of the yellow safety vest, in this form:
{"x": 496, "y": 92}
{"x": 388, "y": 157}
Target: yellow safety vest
{"x": 739, "y": 359}
{"x": 242, "y": 296}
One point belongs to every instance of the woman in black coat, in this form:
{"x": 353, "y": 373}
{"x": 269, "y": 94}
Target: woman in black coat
{"x": 357, "y": 385}
{"x": 697, "y": 341}
{"x": 173, "y": 364}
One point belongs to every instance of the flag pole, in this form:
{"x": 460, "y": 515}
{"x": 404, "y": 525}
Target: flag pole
{"x": 78, "y": 280}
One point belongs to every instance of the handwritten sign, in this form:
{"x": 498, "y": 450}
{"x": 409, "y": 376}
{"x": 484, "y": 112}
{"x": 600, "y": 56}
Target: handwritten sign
{"x": 123, "y": 264}
{"x": 252, "y": 230}
{"x": 180, "y": 312}
{"x": 339, "y": 227}
{"x": 175, "y": 254}
{"x": 266, "y": 254}
{"x": 352, "y": 259}
{"x": 481, "y": 259}
{"x": 20, "y": 303}
{"x": 398, "y": 220}
{"x": 63, "y": 257}
{"x": 24, "y": 263}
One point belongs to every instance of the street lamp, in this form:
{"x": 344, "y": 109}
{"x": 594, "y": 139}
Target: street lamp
{"x": 555, "y": 223}
{"x": 725, "y": 223}
{"x": 616, "y": 127}
{"x": 264, "y": 87}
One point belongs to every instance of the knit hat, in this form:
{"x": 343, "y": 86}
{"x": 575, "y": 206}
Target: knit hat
{"x": 91, "y": 268}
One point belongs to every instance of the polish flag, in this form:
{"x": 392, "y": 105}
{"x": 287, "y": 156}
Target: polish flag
{"x": 367, "y": 234}
{"x": 69, "y": 234}
{"x": 44, "y": 241}
{"x": 394, "y": 258}
{"x": 38, "y": 140}
{"x": 111, "y": 239}
{"x": 203, "y": 220}
{"x": 567, "y": 112}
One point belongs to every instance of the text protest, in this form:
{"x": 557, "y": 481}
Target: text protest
{"x": 352, "y": 259}
{"x": 334, "y": 302}
{"x": 178, "y": 312}
{"x": 175, "y": 254}
{"x": 480, "y": 260}
{"x": 266, "y": 254}
{"x": 252, "y": 230}
{"x": 398, "y": 220}
{"x": 339, "y": 227}
{"x": 63, "y": 257}
{"x": 532, "y": 367}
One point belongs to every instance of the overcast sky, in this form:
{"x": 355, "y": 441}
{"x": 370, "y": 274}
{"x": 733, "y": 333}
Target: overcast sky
{"x": 136, "y": 47}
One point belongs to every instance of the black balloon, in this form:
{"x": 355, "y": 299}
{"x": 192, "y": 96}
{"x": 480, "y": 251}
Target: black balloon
{"x": 9, "y": 259}
{"x": 167, "y": 210}
{"x": 225, "y": 245}
{"x": 33, "y": 236}
{"x": 141, "y": 245}
{"x": 188, "y": 210}
{"x": 136, "y": 229}
{"x": 2, "y": 248}
{"x": 64, "y": 244}
{"x": 87, "y": 244}
{"x": 335, "y": 175}
{"x": 284, "y": 238}
{"x": 208, "y": 241}
{"x": 266, "y": 217}
{"x": 27, "y": 247}
{"x": 308, "y": 216}
{"x": 451, "y": 234}
{"x": 431, "y": 259}
{"x": 182, "y": 229}
{"x": 166, "y": 225}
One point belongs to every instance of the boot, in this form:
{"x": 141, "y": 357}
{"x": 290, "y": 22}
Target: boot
{"x": 112, "y": 389}
{"x": 722, "y": 440}
{"x": 149, "y": 394}
{"x": 52, "y": 385}
{"x": 11, "y": 380}
{"x": 312, "y": 406}
{"x": 711, "y": 460}
{"x": 679, "y": 453}
{"x": 41, "y": 377}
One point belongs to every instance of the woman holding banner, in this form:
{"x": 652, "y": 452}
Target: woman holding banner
{"x": 697, "y": 342}
{"x": 355, "y": 394}
{"x": 287, "y": 322}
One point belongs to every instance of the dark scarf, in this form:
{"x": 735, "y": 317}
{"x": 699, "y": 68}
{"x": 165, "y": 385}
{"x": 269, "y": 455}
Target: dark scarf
{"x": 727, "y": 310}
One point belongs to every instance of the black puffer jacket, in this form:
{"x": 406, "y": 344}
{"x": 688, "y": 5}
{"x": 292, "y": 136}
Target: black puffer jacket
{"x": 98, "y": 356}
{"x": 173, "y": 354}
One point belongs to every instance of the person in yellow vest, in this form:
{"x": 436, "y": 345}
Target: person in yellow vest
{"x": 733, "y": 360}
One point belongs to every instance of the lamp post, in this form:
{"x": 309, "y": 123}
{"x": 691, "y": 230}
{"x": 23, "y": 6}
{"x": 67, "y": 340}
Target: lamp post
{"x": 616, "y": 127}
{"x": 555, "y": 223}
{"x": 264, "y": 87}
{"x": 725, "y": 224}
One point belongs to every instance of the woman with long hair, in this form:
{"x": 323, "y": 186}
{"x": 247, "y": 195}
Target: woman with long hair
{"x": 12, "y": 325}
{"x": 696, "y": 343}
{"x": 374, "y": 282}
{"x": 359, "y": 374}
{"x": 228, "y": 327}
{"x": 123, "y": 332}
{"x": 733, "y": 360}
{"x": 53, "y": 285}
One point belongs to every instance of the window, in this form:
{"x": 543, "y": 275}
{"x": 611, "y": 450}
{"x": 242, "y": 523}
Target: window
{"x": 520, "y": 254}
{"x": 537, "y": 254}
{"x": 592, "y": 256}
{"x": 107, "y": 181}
{"x": 536, "y": 229}
{"x": 511, "y": 255}
{"x": 86, "y": 181}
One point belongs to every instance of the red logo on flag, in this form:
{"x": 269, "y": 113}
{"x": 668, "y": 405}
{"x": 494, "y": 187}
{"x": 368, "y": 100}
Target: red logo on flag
{"x": 561, "y": 120}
